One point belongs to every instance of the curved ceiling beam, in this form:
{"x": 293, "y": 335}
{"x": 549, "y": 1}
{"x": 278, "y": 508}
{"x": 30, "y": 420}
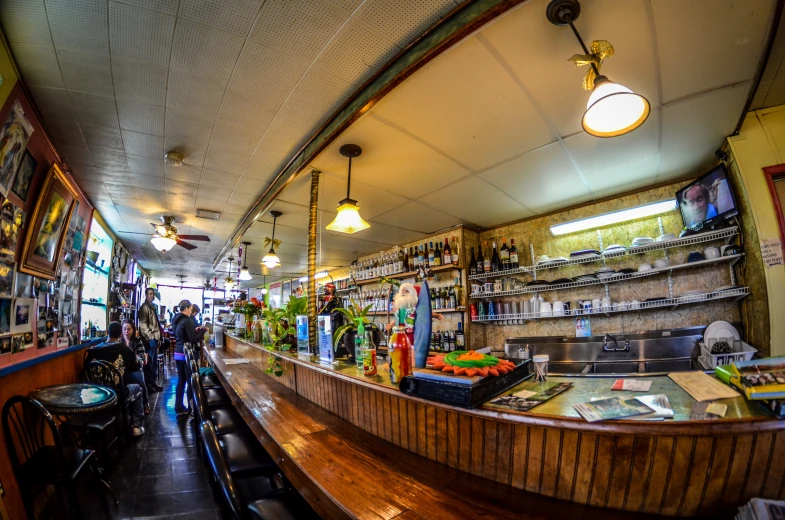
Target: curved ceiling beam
{"x": 464, "y": 20}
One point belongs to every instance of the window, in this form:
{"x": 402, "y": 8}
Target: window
{"x": 775, "y": 177}
{"x": 95, "y": 288}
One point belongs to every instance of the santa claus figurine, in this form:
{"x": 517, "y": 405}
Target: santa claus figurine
{"x": 413, "y": 307}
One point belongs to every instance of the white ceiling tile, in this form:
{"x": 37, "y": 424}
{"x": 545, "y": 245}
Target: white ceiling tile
{"x": 319, "y": 93}
{"x": 165, "y": 6}
{"x": 139, "y": 81}
{"x": 79, "y": 25}
{"x": 88, "y": 173}
{"x": 355, "y": 53}
{"x": 76, "y": 155}
{"x": 401, "y": 21}
{"x": 147, "y": 166}
{"x": 236, "y": 136}
{"x": 266, "y": 71}
{"x": 382, "y": 233}
{"x": 693, "y": 60}
{"x": 25, "y": 21}
{"x": 38, "y": 65}
{"x": 184, "y": 173}
{"x": 226, "y": 161}
{"x": 234, "y": 16}
{"x": 109, "y": 160}
{"x": 103, "y": 137}
{"x": 92, "y": 188}
{"x": 188, "y": 126}
{"x": 86, "y": 72}
{"x": 218, "y": 195}
{"x": 542, "y": 180}
{"x": 94, "y": 110}
{"x": 282, "y": 23}
{"x": 265, "y": 164}
{"x": 235, "y": 209}
{"x": 218, "y": 179}
{"x": 140, "y": 34}
{"x": 63, "y": 131}
{"x": 385, "y": 150}
{"x": 708, "y": 119}
{"x": 145, "y": 145}
{"x": 776, "y": 94}
{"x": 242, "y": 197}
{"x": 417, "y": 217}
{"x": 140, "y": 117}
{"x": 204, "y": 51}
{"x": 149, "y": 183}
{"x": 53, "y": 103}
{"x": 476, "y": 202}
{"x": 494, "y": 112}
{"x": 250, "y": 184}
{"x": 192, "y": 93}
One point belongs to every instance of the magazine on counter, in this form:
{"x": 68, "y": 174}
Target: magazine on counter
{"x": 612, "y": 408}
{"x": 657, "y": 402}
{"x": 531, "y": 395}
{"x": 761, "y": 378}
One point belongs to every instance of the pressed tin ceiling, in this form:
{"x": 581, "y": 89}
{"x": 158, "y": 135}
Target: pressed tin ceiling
{"x": 486, "y": 133}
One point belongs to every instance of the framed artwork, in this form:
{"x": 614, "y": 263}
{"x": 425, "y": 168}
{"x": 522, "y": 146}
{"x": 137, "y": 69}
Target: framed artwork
{"x": 24, "y": 286}
{"x": 23, "y": 310}
{"x": 14, "y": 135}
{"x": 5, "y": 315}
{"x": 17, "y": 343}
{"x": 46, "y": 232}
{"x": 24, "y": 176}
{"x": 5, "y": 345}
{"x": 6, "y": 280}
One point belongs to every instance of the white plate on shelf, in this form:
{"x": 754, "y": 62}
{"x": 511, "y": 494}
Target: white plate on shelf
{"x": 719, "y": 329}
{"x": 726, "y": 288}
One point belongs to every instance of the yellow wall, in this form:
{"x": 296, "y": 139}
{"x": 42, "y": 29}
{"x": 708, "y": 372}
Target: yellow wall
{"x": 761, "y": 143}
{"x": 7, "y": 70}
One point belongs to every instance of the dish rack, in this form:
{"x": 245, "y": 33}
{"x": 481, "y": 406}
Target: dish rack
{"x": 711, "y": 361}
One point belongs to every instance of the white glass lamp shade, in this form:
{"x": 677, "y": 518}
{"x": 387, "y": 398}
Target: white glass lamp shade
{"x": 271, "y": 260}
{"x": 245, "y": 274}
{"x": 163, "y": 244}
{"x": 264, "y": 290}
{"x": 229, "y": 284}
{"x": 348, "y": 219}
{"x": 613, "y": 109}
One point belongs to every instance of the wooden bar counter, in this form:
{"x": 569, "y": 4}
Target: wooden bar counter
{"x": 675, "y": 467}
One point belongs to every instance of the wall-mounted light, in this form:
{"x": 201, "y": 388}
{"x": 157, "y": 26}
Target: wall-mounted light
{"x": 647, "y": 210}
{"x": 348, "y": 219}
{"x": 245, "y": 274}
{"x": 612, "y": 109}
{"x": 271, "y": 260}
{"x": 163, "y": 244}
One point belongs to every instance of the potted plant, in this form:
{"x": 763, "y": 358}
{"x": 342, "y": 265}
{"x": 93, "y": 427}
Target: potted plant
{"x": 282, "y": 322}
{"x": 348, "y": 332}
{"x": 248, "y": 308}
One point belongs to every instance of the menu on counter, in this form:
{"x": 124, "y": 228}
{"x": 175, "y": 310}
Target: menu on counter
{"x": 611, "y": 408}
{"x": 531, "y": 396}
{"x": 702, "y": 387}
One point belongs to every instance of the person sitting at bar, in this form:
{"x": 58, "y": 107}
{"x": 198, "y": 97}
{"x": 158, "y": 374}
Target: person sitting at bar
{"x": 124, "y": 359}
{"x": 184, "y": 332}
{"x": 131, "y": 339}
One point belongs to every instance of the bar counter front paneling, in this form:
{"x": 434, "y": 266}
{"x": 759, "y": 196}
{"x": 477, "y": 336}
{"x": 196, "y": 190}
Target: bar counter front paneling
{"x": 676, "y": 467}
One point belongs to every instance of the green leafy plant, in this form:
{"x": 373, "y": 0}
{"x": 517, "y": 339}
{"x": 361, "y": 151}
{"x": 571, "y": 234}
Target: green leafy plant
{"x": 282, "y": 321}
{"x": 353, "y": 312}
{"x": 273, "y": 366}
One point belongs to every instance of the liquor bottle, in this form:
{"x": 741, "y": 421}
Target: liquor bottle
{"x": 454, "y": 251}
{"x": 458, "y": 292}
{"x": 430, "y": 256}
{"x": 437, "y": 341}
{"x": 437, "y": 255}
{"x": 453, "y": 298}
{"x": 446, "y": 341}
{"x": 436, "y": 300}
{"x": 447, "y": 253}
{"x": 400, "y": 351}
{"x": 513, "y": 255}
{"x": 368, "y": 350}
{"x": 483, "y": 264}
{"x": 460, "y": 340}
{"x": 401, "y": 259}
{"x": 445, "y": 298}
{"x": 496, "y": 264}
{"x": 504, "y": 255}
{"x": 406, "y": 259}
{"x": 472, "y": 264}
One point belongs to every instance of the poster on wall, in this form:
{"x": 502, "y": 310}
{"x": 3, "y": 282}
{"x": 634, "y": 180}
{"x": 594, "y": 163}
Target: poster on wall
{"x": 24, "y": 176}
{"x": 6, "y": 280}
{"x": 14, "y": 135}
{"x": 23, "y": 313}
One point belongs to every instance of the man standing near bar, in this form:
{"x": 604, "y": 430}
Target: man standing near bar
{"x": 150, "y": 330}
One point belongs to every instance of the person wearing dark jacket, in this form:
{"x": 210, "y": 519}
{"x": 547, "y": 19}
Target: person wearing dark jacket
{"x": 124, "y": 359}
{"x": 131, "y": 340}
{"x": 184, "y": 332}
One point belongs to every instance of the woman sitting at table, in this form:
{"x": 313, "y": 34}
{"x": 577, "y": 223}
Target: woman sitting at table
{"x": 131, "y": 339}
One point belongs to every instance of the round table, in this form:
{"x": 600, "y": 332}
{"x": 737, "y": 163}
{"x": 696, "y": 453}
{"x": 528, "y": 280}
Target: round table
{"x": 75, "y": 398}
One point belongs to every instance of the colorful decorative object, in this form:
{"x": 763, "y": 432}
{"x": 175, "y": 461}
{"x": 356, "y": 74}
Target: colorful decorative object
{"x": 13, "y": 141}
{"x": 46, "y": 233}
{"x": 470, "y": 363}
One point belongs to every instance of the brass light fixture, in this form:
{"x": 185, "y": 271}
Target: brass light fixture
{"x": 348, "y": 219}
{"x": 244, "y": 273}
{"x": 229, "y": 282}
{"x": 612, "y": 109}
{"x": 271, "y": 260}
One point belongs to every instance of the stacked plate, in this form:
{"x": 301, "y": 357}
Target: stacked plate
{"x": 561, "y": 281}
{"x": 642, "y": 241}
{"x": 615, "y": 248}
{"x": 604, "y": 272}
{"x": 552, "y": 261}
{"x": 585, "y": 278}
{"x": 584, "y": 253}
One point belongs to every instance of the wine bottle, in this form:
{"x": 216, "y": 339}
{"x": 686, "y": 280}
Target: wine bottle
{"x": 453, "y": 298}
{"x": 430, "y": 256}
{"x": 504, "y": 255}
{"x": 473, "y": 264}
{"x": 513, "y": 255}
{"x": 460, "y": 340}
{"x": 496, "y": 264}
{"x": 458, "y": 292}
{"x": 421, "y": 257}
{"x": 446, "y": 253}
{"x": 481, "y": 260}
{"x": 437, "y": 255}
{"x": 454, "y": 250}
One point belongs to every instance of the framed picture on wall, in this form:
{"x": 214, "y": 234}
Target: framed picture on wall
{"x": 24, "y": 176}
{"x": 22, "y": 317}
{"x": 14, "y": 135}
{"x": 46, "y": 232}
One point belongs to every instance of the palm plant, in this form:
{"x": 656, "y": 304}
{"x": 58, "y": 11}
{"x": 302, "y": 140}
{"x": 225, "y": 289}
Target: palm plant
{"x": 354, "y": 313}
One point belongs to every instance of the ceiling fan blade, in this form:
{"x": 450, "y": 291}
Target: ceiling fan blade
{"x": 135, "y": 233}
{"x": 186, "y": 245}
{"x": 201, "y": 238}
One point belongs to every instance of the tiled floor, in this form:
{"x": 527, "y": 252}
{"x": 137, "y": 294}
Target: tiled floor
{"x": 159, "y": 476}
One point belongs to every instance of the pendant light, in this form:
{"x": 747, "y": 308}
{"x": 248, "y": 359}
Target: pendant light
{"x": 271, "y": 260}
{"x": 612, "y": 109}
{"x": 244, "y": 273}
{"x": 163, "y": 244}
{"x": 229, "y": 281}
{"x": 348, "y": 219}
{"x": 264, "y": 283}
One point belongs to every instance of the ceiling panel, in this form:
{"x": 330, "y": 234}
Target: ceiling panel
{"x": 417, "y": 217}
{"x": 500, "y": 121}
{"x": 139, "y": 81}
{"x": 79, "y": 25}
{"x": 63, "y": 131}
{"x": 140, "y": 117}
{"x": 38, "y": 65}
{"x": 94, "y": 110}
{"x": 143, "y": 144}
{"x": 146, "y": 166}
{"x": 53, "y": 102}
{"x": 25, "y": 21}
{"x": 401, "y": 21}
{"x": 140, "y": 34}
{"x": 86, "y": 72}
{"x": 103, "y": 137}
{"x": 234, "y": 16}
{"x": 204, "y": 51}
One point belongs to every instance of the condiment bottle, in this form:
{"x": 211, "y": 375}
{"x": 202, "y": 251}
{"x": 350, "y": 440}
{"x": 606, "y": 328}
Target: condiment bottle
{"x": 400, "y": 355}
{"x": 368, "y": 350}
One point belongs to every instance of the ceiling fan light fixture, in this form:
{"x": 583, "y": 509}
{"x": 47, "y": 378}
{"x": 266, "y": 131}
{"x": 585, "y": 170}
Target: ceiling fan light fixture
{"x": 163, "y": 244}
{"x": 348, "y": 219}
{"x": 613, "y": 109}
{"x": 174, "y": 158}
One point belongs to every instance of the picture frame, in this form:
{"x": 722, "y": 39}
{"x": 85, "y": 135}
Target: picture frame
{"x": 14, "y": 134}
{"x": 5, "y": 345}
{"x": 41, "y": 254}
{"x": 7, "y": 277}
{"x": 23, "y": 286}
{"x": 24, "y": 176}
{"x": 5, "y": 315}
{"x": 22, "y": 315}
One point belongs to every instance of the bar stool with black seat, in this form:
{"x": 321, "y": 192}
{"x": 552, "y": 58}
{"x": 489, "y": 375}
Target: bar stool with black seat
{"x": 28, "y": 426}
{"x": 208, "y": 381}
{"x": 279, "y": 504}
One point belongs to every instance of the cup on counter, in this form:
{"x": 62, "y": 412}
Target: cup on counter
{"x": 541, "y": 368}
{"x": 558, "y": 308}
{"x": 606, "y": 303}
{"x": 596, "y": 305}
{"x": 526, "y": 307}
{"x": 546, "y": 310}
{"x": 477, "y": 288}
{"x": 577, "y": 307}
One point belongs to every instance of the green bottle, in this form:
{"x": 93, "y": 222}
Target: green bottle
{"x": 358, "y": 341}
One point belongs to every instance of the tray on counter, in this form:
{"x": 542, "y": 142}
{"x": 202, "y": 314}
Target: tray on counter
{"x": 466, "y": 395}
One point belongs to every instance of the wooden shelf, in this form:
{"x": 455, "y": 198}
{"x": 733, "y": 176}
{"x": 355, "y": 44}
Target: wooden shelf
{"x": 409, "y": 274}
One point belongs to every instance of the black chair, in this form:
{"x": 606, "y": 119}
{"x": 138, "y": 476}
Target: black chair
{"x": 39, "y": 458}
{"x": 279, "y": 504}
{"x": 225, "y": 420}
{"x": 105, "y": 374}
{"x": 208, "y": 381}
{"x": 215, "y": 397}
{"x": 245, "y": 456}
{"x": 102, "y": 429}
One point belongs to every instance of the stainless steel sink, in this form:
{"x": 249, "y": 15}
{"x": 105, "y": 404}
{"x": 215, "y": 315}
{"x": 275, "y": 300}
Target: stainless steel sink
{"x": 649, "y": 353}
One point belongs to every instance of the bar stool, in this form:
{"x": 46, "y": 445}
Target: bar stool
{"x": 161, "y": 361}
{"x": 208, "y": 381}
{"x": 280, "y": 504}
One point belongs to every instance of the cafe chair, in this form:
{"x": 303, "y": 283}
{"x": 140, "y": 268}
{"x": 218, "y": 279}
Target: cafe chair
{"x": 215, "y": 397}
{"x": 105, "y": 374}
{"x": 278, "y": 504}
{"x": 225, "y": 420}
{"x": 101, "y": 429}
{"x": 39, "y": 458}
{"x": 208, "y": 381}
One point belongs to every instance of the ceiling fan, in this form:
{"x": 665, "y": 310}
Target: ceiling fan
{"x": 166, "y": 237}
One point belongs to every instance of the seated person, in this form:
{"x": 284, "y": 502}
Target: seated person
{"x": 131, "y": 339}
{"x": 124, "y": 359}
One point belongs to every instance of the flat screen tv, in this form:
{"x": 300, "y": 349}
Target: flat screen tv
{"x": 707, "y": 201}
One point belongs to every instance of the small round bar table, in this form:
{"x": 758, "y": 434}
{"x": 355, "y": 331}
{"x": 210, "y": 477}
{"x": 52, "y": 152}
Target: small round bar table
{"x": 75, "y": 398}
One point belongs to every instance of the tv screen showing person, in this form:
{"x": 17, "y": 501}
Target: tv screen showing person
{"x": 708, "y": 199}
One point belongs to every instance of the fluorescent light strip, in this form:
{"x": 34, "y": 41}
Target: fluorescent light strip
{"x": 616, "y": 217}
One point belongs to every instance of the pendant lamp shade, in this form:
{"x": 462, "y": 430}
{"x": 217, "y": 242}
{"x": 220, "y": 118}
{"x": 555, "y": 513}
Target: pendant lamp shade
{"x": 348, "y": 219}
{"x": 271, "y": 260}
{"x": 163, "y": 244}
{"x": 613, "y": 109}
